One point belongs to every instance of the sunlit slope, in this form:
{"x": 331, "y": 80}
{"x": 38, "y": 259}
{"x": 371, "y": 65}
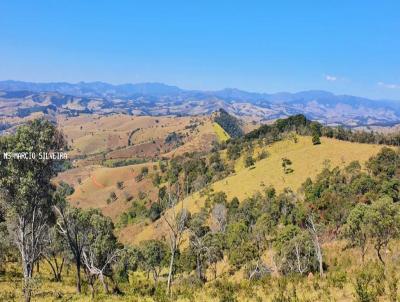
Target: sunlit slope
{"x": 221, "y": 133}
{"x": 97, "y": 185}
{"x": 200, "y": 141}
{"x": 308, "y": 160}
{"x": 90, "y": 134}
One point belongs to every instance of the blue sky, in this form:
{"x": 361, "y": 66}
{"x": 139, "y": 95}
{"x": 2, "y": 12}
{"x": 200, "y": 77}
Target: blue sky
{"x": 347, "y": 47}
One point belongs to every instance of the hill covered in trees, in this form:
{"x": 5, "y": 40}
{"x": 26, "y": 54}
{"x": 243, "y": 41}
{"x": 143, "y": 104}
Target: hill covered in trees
{"x": 229, "y": 123}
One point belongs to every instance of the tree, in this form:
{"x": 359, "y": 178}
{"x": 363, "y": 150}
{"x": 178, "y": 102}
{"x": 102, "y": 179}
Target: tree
{"x": 144, "y": 171}
{"x": 177, "y": 223}
{"x": 214, "y": 246}
{"x": 155, "y": 211}
{"x": 316, "y": 133}
{"x": 73, "y": 224}
{"x": 128, "y": 259}
{"x": 316, "y": 139}
{"x": 383, "y": 224}
{"x": 248, "y": 161}
{"x": 233, "y": 151}
{"x": 156, "y": 179}
{"x": 26, "y": 190}
{"x": 54, "y": 252}
{"x": 241, "y": 249}
{"x": 356, "y": 228}
{"x": 295, "y": 250}
{"x": 314, "y": 231}
{"x": 154, "y": 255}
{"x": 101, "y": 249}
{"x": 262, "y": 232}
{"x": 113, "y": 196}
{"x": 385, "y": 163}
{"x": 198, "y": 230}
{"x": 5, "y": 246}
{"x": 120, "y": 185}
{"x": 286, "y": 165}
{"x": 219, "y": 217}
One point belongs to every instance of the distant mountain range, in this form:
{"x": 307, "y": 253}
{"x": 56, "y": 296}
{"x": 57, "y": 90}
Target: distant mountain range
{"x": 22, "y": 98}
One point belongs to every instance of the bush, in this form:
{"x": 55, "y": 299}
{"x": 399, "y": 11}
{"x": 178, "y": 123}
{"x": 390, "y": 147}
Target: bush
{"x": 225, "y": 290}
{"x": 120, "y": 185}
{"x": 393, "y": 286}
{"x": 155, "y": 211}
{"x": 337, "y": 279}
{"x": 316, "y": 140}
{"x": 248, "y": 161}
{"x": 128, "y": 196}
{"x": 144, "y": 171}
{"x": 368, "y": 283}
{"x": 113, "y": 196}
{"x": 263, "y": 154}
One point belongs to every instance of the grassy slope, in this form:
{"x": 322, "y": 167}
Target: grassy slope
{"x": 221, "y": 133}
{"x": 308, "y": 160}
{"x": 200, "y": 141}
{"x": 102, "y": 133}
{"x": 100, "y": 182}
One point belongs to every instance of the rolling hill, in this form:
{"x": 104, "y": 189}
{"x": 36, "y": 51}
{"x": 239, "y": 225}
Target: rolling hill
{"x": 308, "y": 161}
{"x": 157, "y": 99}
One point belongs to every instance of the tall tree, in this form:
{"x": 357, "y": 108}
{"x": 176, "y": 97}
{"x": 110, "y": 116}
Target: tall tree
{"x": 177, "y": 223}
{"x": 101, "y": 249}
{"x": 54, "y": 252}
{"x": 154, "y": 255}
{"x": 315, "y": 234}
{"x": 295, "y": 250}
{"x": 26, "y": 189}
{"x": 74, "y": 224}
{"x": 219, "y": 217}
{"x": 383, "y": 223}
{"x": 198, "y": 231}
{"x": 4, "y": 239}
{"x": 356, "y": 228}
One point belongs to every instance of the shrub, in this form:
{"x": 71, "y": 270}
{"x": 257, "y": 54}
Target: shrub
{"x": 316, "y": 140}
{"x": 120, "y": 185}
{"x": 155, "y": 211}
{"x": 225, "y": 290}
{"x": 263, "y": 154}
{"x": 144, "y": 171}
{"x": 337, "y": 279}
{"x": 368, "y": 283}
{"x": 248, "y": 161}
{"x": 128, "y": 196}
{"x": 113, "y": 196}
{"x": 393, "y": 286}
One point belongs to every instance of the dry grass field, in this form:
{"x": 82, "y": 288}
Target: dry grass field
{"x": 121, "y": 136}
{"x": 96, "y": 184}
{"x": 307, "y": 161}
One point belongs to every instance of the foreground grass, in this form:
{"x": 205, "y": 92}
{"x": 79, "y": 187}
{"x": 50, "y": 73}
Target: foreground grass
{"x": 338, "y": 284}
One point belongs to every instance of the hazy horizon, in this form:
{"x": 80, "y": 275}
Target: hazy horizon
{"x": 206, "y": 90}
